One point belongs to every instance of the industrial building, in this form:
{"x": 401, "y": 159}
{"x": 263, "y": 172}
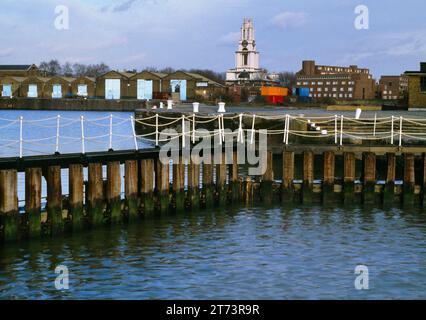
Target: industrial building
{"x": 83, "y": 87}
{"x": 24, "y": 70}
{"x": 393, "y": 87}
{"x": 10, "y": 86}
{"x": 146, "y": 85}
{"x": 113, "y": 85}
{"x": 57, "y": 87}
{"x": 417, "y": 87}
{"x": 346, "y": 83}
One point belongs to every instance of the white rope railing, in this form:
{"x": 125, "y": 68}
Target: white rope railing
{"x": 108, "y": 130}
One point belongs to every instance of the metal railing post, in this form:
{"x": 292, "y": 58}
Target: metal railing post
{"x": 335, "y": 129}
{"x": 83, "y": 147}
{"x": 252, "y": 129}
{"x": 288, "y": 128}
{"x": 110, "y": 132}
{"x": 156, "y": 130}
{"x": 375, "y": 124}
{"x": 21, "y": 139}
{"x": 58, "y": 119}
{"x": 134, "y": 133}
{"x": 193, "y": 128}
{"x": 183, "y": 132}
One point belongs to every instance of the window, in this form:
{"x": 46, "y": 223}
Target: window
{"x": 326, "y": 89}
{"x": 7, "y": 90}
{"x": 112, "y": 89}
{"x": 320, "y": 83}
{"x": 423, "y": 84}
{"x": 144, "y": 89}
{"x": 82, "y": 90}
{"x": 299, "y": 83}
{"x": 32, "y": 91}
{"x": 342, "y": 89}
{"x": 343, "y": 82}
{"x": 319, "y": 89}
{"x": 313, "y": 83}
{"x": 328, "y": 83}
{"x": 57, "y": 91}
{"x": 334, "y": 89}
{"x": 350, "y": 89}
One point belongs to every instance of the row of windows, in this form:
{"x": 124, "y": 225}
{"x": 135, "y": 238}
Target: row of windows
{"x": 334, "y": 89}
{"x": 321, "y": 83}
{"x": 338, "y": 69}
{"x": 390, "y": 97}
{"x": 334, "y": 95}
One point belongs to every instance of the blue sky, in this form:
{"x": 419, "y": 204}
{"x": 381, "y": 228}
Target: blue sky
{"x": 203, "y": 34}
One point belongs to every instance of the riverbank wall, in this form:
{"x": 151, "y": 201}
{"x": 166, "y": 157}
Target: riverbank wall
{"x": 71, "y": 104}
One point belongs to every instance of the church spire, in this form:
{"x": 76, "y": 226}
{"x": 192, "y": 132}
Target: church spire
{"x": 246, "y": 56}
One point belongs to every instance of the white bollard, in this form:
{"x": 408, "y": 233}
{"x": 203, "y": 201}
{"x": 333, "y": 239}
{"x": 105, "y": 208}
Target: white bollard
{"x": 358, "y": 113}
{"x": 195, "y": 106}
{"x": 161, "y": 105}
{"x": 221, "y": 107}
{"x": 169, "y": 104}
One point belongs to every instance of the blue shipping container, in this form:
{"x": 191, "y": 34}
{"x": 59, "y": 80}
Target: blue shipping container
{"x": 301, "y": 92}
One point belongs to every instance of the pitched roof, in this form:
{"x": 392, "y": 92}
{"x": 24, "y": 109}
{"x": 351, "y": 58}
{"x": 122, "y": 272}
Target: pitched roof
{"x": 11, "y": 67}
{"x": 203, "y": 78}
{"x": 17, "y": 79}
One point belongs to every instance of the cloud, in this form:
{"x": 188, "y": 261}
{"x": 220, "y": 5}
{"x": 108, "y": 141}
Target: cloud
{"x": 288, "y": 19}
{"x": 6, "y": 52}
{"x": 123, "y": 6}
{"x": 402, "y": 44}
{"x": 229, "y": 38}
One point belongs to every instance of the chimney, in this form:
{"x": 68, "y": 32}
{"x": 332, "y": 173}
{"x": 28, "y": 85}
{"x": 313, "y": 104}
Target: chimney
{"x": 423, "y": 67}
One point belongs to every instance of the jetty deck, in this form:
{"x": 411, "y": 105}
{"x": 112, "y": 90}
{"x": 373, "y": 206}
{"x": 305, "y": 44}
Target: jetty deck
{"x": 338, "y": 169}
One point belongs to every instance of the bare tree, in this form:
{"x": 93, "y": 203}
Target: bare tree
{"x": 79, "y": 69}
{"x": 67, "y": 70}
{"x": 50, "y": 68}
{"x": 287, "y": 79}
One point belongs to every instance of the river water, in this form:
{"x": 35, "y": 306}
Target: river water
{"x": 245, "y": 253}
{"x": 232, "y": 253}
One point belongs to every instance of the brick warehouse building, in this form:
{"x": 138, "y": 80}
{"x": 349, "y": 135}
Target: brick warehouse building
{"x": 417, "y": 87}
{"x": 347, "y": 83}
{"x": 393, "y": 87}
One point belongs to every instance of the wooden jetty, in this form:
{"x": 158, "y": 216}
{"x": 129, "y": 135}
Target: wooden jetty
{"x": 150, "y": 190}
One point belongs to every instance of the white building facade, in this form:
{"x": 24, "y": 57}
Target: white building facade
{"x": 246, "y": 57}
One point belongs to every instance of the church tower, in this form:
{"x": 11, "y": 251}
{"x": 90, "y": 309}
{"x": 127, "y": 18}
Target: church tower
{"x": 246, "y": 57}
